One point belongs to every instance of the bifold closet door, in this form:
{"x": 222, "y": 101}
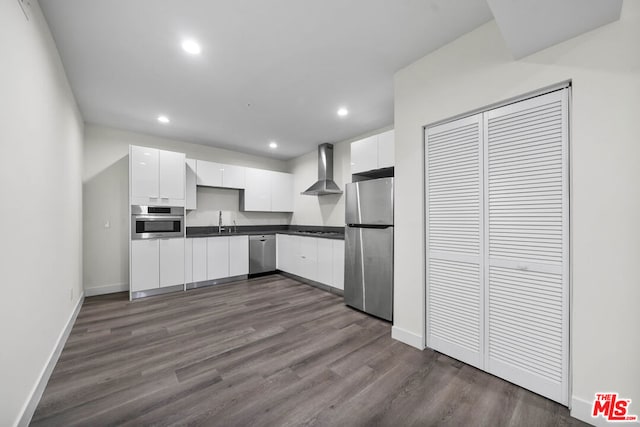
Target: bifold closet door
{"x": 526, "y": 244}
{"x": 454, "y": 208}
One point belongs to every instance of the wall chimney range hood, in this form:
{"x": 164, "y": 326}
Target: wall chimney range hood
{"x": 325, "y": 185}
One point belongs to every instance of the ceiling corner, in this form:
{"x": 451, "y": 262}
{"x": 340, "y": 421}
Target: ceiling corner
{"x": 529, "y": 26}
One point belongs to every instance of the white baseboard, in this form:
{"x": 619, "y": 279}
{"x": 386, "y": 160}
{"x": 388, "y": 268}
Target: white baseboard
{"x": 106, "y": 289}
{"x": 36, "y": 394}
{"x": 402, "y": 335}
{"x": 581, "y": 409}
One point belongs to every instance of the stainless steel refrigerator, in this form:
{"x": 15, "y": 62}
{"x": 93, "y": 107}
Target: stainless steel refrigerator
{"x": 368, "y": 267}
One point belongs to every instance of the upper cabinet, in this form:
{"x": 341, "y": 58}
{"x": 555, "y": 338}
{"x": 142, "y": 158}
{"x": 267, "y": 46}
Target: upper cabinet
{"x": 374, "y": 152}
{"x": 281, "y": 192}
{"x": 191, "y": 193}
{"x": 211, "y": 174}
{"x": 257, "y": 193}
{"x": 268, "y": 191}
{"x": 157, "y": 177}
{"x": 264, "y": 190}
{"x": 386, "y": 158}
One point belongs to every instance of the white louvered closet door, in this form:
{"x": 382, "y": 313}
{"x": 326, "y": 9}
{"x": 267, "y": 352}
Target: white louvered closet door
{"x": 526, "y": 246}
{"x": 454, "y": 258}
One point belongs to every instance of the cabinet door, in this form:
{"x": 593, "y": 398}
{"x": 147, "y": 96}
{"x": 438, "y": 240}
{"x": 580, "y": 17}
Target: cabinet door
{"x": 172, "y": 175}
{"x": 338, "y": 264}
{"x": 233, "y": 176}
{"x": 386, "y": 149}
{"x": 281, "y": 192}
{"x": 257, "y": 193}
{"x": 364, "y": 155}
{"x": 144, "y": 173}
{"x": 295, "y": 262}
{"x": 209, "y": 174}
{"x": 238, "y": 255}
{"x": 145, "y": 266}
{"x": 309, "y": 258}
{"x": 324, "y": 264}
{"x": 199, "y": 259}
{"x": 217, "y": 257}
{"x": 171, "y": 262}
{"x": 280, "y": 252}
{"x": 188, "y": 260}
{"x": 191, "y": 194}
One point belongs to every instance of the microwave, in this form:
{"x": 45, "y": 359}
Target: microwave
{"x": 156, "y": 222}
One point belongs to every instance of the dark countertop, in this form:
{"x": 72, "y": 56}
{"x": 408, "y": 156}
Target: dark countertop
{"x": 251, "y": 230}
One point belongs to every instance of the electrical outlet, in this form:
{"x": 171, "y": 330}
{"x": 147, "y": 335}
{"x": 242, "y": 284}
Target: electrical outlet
{"x": 26, "y": 8}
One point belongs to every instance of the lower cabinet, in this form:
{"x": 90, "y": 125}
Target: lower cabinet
{"x": 338, "y": 263}
{"x": 317, "y": 259}
{"x": 157, "y": 263}
{"x": 217, "y": 257}
{"x": 238, "y": 255}
{"x": 171, "y": 262}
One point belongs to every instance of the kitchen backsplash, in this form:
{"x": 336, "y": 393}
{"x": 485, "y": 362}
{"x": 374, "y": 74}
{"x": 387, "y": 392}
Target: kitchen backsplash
{"x": 213, "y": 200}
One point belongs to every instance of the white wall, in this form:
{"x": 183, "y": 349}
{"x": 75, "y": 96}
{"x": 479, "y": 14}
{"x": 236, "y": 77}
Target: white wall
{"x": 105, "y": 188}
{"x": 41, "y": 213}
{"x": 323, "y": 210}
{"x": 604, "y": 65}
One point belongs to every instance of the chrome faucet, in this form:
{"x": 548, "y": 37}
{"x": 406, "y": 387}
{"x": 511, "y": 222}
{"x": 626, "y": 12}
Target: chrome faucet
{"x": 220, "y": 227}
{"x": 235, "y": 226}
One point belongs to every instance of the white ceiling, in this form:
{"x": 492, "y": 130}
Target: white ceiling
{"x": 269, "y": 70}
{"x": 276, "y": 70}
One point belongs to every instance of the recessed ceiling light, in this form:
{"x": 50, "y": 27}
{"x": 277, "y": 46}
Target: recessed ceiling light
{"x": 191, "y": 46}
{"x": 343, "y": 112}
{"x": 272, "y": 144}
{"x": 163, "y": 119}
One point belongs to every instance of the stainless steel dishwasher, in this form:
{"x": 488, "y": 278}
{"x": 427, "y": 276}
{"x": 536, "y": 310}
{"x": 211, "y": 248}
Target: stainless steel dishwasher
{"x": 262, "y": 253}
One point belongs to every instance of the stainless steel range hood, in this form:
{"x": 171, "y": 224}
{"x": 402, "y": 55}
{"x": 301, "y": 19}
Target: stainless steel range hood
{"x": 325, "y": 184}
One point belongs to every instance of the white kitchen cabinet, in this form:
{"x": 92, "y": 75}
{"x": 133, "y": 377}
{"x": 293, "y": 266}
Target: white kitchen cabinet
{"x": 238, "y": 255}
{"x": 188, "y": 260}
{"x": 199, "y": 259}
{"x": 364, "y": 155}
{"x": 172, "y": 262}
{"x": 386, "y": 148}
{"x": 157, "y": 177}
{"x": 338, "y": 264}
{"x": 284, "y": 253}
{"x": 212, "y": 174}
{"x": 144, "y": 165}
{"x": 373, "y": 152}
{"x": 172, "y": 175}
{"x": 191, "y": 194}
{"x": 314, "y": 258}
{"x": 145, "y": 265}
{"x": 209, "y": 174}
{"x": 233, "y": 176}
{"x": 257, "y": 192}
{"x": 308, "y": 252}
{"x": 324, "y": 269}
{"x": 217, "y": 257}
{"x": 281, "y": 192}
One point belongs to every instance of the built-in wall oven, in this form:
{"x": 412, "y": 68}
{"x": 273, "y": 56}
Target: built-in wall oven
{"x": 155, "y": 222}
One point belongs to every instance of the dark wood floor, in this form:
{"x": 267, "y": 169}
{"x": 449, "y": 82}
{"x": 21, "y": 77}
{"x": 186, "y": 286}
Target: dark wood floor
{"x": 268, "y": 351}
